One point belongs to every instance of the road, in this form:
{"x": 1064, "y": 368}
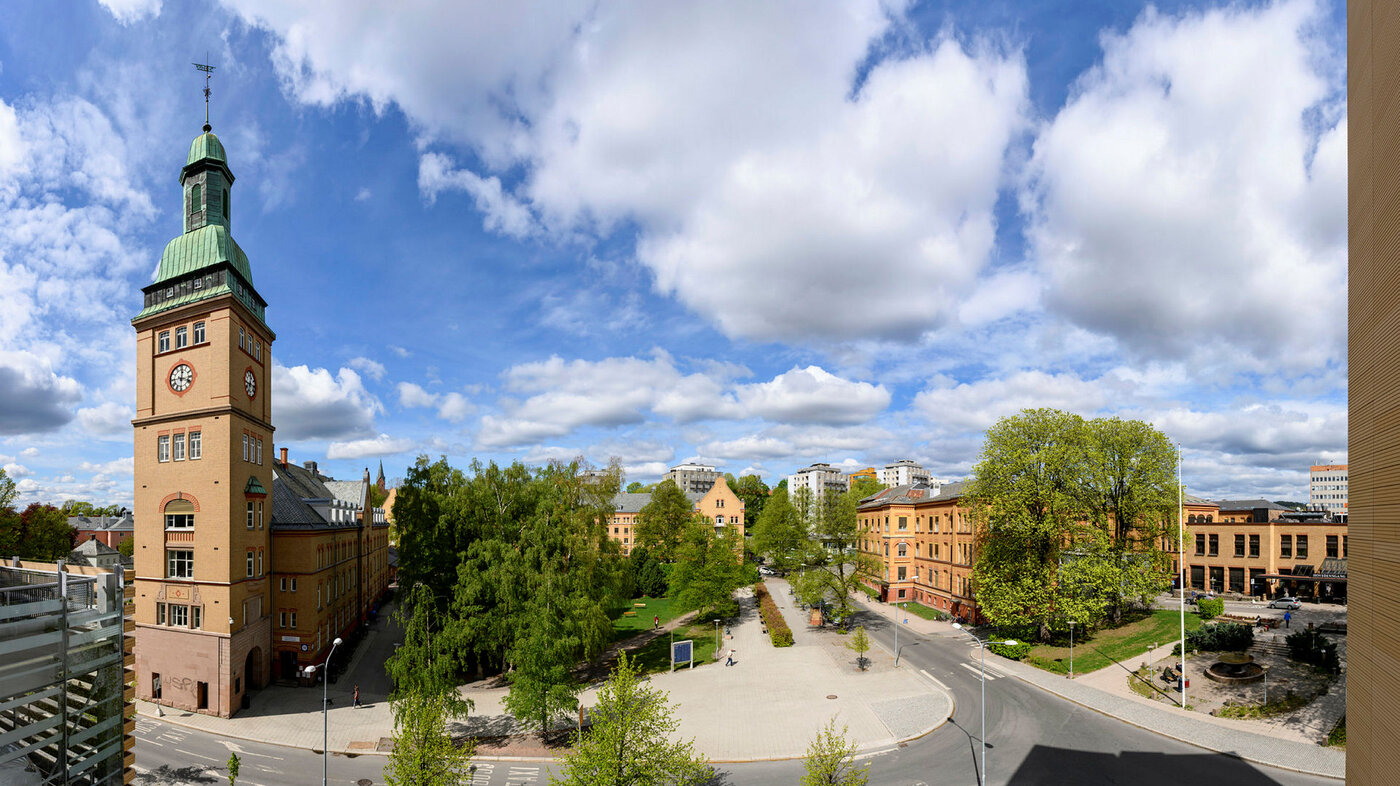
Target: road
{"x": 1033, "y": 738}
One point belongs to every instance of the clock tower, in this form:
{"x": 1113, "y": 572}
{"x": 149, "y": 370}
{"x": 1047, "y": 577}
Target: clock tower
{"x": 203, "y": 459}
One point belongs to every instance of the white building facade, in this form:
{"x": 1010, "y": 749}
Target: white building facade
{"x": 904, "y": 473}
{"x": 818, "y": 479}
{"x": 1327, "y": 488}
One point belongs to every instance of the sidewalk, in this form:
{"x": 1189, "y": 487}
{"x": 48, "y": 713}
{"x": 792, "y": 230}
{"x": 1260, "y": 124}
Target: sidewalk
{"x": 788, "y": 694}
{"x": 1095, "y": 692}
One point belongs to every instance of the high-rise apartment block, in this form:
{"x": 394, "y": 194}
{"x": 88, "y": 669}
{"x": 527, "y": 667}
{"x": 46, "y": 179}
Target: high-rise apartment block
{"x": 692, "y": 478}
{"x": 817, "y": 479}
{"x": 904, "y": 473}
{"x": 1327, "y": 488}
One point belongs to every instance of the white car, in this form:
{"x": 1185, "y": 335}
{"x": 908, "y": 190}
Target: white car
{"x": 1285, "y": 603}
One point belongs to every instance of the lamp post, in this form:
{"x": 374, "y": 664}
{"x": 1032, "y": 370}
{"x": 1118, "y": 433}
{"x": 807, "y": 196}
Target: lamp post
{"x": 325, "y": 704}
{"x": 982, "y": 646}
{"x": 1071, "y": 649}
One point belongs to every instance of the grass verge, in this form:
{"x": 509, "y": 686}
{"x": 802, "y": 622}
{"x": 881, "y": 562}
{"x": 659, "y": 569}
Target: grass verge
{"x": 655, "y": 655}
{"x": 1337, "y": 738}
{"x": 919, "y": 609}
{"x": 1111, "y": 645}
{"x": 626, "y": 627}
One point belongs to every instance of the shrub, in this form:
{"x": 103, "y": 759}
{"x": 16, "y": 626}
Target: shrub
{"x": 1310, "y": 646}
{"x": 1210, "y": 608}
{"x": 1220, "y": 637}
{"x": 778, "y": 629}
{"x": 1012, "y": 651}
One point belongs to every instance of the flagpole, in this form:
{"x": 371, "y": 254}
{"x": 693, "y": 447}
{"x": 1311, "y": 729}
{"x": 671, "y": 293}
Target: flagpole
{"x": 1181, "y": 566}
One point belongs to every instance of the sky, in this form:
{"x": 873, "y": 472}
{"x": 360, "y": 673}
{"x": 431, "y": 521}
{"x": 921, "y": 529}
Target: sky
{"x": 757, "y": 235}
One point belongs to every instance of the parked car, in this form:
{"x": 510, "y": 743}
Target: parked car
{"x": 764, "y": 570}
{"x": 1285, "y": 603}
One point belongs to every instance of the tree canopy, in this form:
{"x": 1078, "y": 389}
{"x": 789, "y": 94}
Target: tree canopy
{"x": 1071, "y": 511}
{"x": 663, "y": 520}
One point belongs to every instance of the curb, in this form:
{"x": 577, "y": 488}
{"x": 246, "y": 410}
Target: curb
{"x": 1168, "y": 735}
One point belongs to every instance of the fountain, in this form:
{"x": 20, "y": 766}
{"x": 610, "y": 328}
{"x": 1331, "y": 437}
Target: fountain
{"x": 1235, "y": 668}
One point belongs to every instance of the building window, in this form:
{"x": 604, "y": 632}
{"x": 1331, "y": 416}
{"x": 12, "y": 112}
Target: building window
{"x": 260, "y": 562}
{"x": 195, "y": 446}
{"x": 182, "y": 337}
{"x": 245, "y": 447}
{"x": 902, "y": 550}
{"x": 180, "y": 616}
{"x": 178, "y": 444}
{"x": 163, "y": 447}
{"x": 260, "y": 452}
{"x": 179, "y": 564}
{"x": 257, "y": 349}
{"x": 283, "y": 583}
{"x": 250, "y": 515}
{"x": 242, "y": 338}
{"x": 282, "y": 619}
{"x": 1253, "y": 545}
{"x": 1200, "y": 545}
{"x": 199, "y": 332}
{"x": 1239, "y": 545}
{"x": 1214, "y": 545}
{"x": 1302, "y": 546}
{"x": 179, "y": 514}
{"x": 1344, "y": 546}
{"x": 160, "y": 613}
{"x": 196, "y": 197}
{"x": 901, "y": 573}
{"x": 163, "y": 342}
{"x": 196, "y": 617}
{"x": 294, "y": 585}
{"x": 225, "y": 193}
{"x": 904, "y": 522}
{"x": 294, "y": 619}
{"x": 249, "y": 563}
{"x": 1285, "y": 546}
{"x": 260, "y": 518}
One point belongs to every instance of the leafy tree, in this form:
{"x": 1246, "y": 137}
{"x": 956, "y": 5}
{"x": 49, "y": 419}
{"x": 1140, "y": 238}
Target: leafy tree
{"x": 707, "y": 570}
{"x": 662, "y": 520}
{"x": 630, "y": 742}
{"x": 635, "y": 487}
{"x": 233, "y": 765}
{"x": 754, "y": 493}
{"x": 647, "y": 577}
{"x": 864, "y": 487}
{"x": 838, "y": 568}
{"x": 831, "y": 760}
{"x": 543, "y": 687}
{"x": 127, "y": 546}
{"x": 40, "y": 532}
{"x": 7, "y": 490}
{"x": 859, "y": 644}
{"x": 424, "y": 699}
{"x": 780, "y": 533}
{"x": 377, "y": 496}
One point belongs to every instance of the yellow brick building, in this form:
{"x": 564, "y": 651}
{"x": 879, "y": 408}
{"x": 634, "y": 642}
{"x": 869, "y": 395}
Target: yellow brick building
{"x": 719, "y": 505}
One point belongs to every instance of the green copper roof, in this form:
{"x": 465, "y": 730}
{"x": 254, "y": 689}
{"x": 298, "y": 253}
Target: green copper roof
{"x": 204, "y": 247}
{"x": 206, "y": 146}
{"x": 254, "y": 486}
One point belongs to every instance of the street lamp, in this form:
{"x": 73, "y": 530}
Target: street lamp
{"x": 982, "y": 645}
{"x": 1071, "y": 649}
{"x": 325, "y": 704}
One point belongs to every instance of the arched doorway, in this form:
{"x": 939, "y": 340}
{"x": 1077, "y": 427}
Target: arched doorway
{"x": 253, "y": 669}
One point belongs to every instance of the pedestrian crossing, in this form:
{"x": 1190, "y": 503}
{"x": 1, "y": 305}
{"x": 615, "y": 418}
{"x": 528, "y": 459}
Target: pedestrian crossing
{"x": 977, "y": 671}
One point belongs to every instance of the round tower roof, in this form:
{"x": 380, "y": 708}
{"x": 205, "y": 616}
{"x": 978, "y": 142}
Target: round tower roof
{"x": 206, "y": 145}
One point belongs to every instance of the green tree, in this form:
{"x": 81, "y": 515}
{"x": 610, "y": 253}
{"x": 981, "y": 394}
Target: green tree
{"x": 424, "y": 700}
{"x": 127, "y": 546}
{"x": 661, "y": 521}
{"x": 754, "y": 493}
{"x": 707, "y": 570}
{"x": 44, "y": 533}
{"x": 780, "y": 533}
{"x": 864, "y": 487}
{"x": 859, "y": 644}
{"x": 630, "y": 741}
{"x": 233, "y": 765}
{"x": 831, "y": 760}
{"x": 543, "y": 687}
{"x": 838, "y": 567}
{"x": 648, "y": 578}
{"x": 635, "y": 487}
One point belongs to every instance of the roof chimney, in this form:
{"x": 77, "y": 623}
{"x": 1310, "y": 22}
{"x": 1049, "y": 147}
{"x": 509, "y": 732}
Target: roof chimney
{"x": 310, "y": 466}
{"x": 284, "y": 457}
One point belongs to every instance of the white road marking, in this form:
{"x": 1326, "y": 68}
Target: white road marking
{"x": 935, "y": 680}
{"x": 199, "y": 756}
{"x": 234, "y": 748}
{"x": 991, "y": 675}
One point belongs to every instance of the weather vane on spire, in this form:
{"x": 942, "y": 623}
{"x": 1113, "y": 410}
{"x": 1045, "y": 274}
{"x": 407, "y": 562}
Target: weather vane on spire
{"x": 208, "y": 72}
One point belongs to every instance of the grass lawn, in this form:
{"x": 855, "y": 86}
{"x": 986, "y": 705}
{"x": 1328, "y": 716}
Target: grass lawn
{"x": 625, "y": 627}
{"x": 920, "y": 610}
{"x": 655, "y": 656}
{"x": 1106, "y": 646}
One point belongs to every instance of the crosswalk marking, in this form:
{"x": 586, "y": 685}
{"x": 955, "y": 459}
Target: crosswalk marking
{"x": 991, "y": 674}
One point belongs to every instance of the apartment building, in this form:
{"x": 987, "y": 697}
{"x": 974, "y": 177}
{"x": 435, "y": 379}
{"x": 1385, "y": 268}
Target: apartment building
{"x": 1327, "y": 488}
{"x": 905, "y": 473}
{"x": 692, "y": 478}
{"x": 719, "y": 505}
{"x": 924, "y": 539}
{"x": 818, "y": 479}
{"x": 869, "y": 473}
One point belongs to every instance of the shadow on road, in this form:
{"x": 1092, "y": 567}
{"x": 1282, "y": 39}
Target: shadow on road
{"x": 1045, "y": 765}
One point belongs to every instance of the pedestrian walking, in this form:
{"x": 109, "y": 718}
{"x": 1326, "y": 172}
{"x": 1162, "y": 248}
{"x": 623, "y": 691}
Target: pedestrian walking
{"x": 729, "y": 661}
{"x": 1287, "y": 618}
{"x": 357, "y": 696}
{"x": 655, "y": 621}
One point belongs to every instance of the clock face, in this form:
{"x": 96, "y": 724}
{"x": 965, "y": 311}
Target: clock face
{"x": 180, "y": 378}
{"x": 250, "y": 383}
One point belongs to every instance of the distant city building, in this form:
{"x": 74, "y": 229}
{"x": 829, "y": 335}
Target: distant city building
{"x": 63, "y": 679}
{"x": 718, "y": 504}
{"x": 818, "y": 479}
{"x": 1256, "y": 548}
{"x": 868, "y": 473}
{"x": 904, "y": 473}
{"x": 696, "y": 478}
{"x": 1327, "y": 488}
{"x": 108, "y": 530}
{"x": 95, "y": 553}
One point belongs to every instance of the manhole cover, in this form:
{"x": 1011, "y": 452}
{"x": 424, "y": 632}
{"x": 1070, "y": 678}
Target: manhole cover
{"x": 831, "y": 695}
{"x": 364, "y": 782}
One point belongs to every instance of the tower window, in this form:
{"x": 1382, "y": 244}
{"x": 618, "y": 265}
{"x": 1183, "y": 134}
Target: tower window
{"x": 179, "y": 514}
{"x": 195, "y": 446}
{"x": 198, "y": 326}
{"x": 242, "y": 339}
{"x": 179, "y": 564}
{"x": 225, "y": 204}
{"x": 163, "y": 342}
{"x": 250, "y": 515}
{"x": 196, "y": 198}
{"x": 163, "y": 447}
{"x": 181, "y": 337}
{"x": 245, "y": 447}
{"x": 249, "y": 565}
{"x": 179, "y": 447}
{"x": 257, "y": 349}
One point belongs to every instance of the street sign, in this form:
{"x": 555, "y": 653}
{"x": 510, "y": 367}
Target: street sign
{"x": 682, "y": 652}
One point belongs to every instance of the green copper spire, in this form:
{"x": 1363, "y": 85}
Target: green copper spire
{"x": 204, "y": 261}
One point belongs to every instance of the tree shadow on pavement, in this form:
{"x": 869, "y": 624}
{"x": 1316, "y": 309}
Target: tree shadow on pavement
{"x": 1046, "y": 765}
{"x": 167, "y": 774}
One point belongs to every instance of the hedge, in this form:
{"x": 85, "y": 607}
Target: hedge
{"x": 1220, "y": 637}
{"x": 778, "y": 629}
{"x": 1210, "y": 608}
{"x": 1013, "y": 651}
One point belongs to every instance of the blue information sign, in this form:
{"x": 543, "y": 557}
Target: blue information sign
{"x": 682, "y": 652}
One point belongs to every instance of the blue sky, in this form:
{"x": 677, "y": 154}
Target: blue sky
{"x": 758, "y": 235}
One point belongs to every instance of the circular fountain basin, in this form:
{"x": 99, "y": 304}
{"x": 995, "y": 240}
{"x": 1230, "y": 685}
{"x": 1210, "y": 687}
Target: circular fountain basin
{"x": 1235, "y": 668}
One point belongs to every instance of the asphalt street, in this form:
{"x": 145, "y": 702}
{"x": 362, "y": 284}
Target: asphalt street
{"x": 1033, "y": 738}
